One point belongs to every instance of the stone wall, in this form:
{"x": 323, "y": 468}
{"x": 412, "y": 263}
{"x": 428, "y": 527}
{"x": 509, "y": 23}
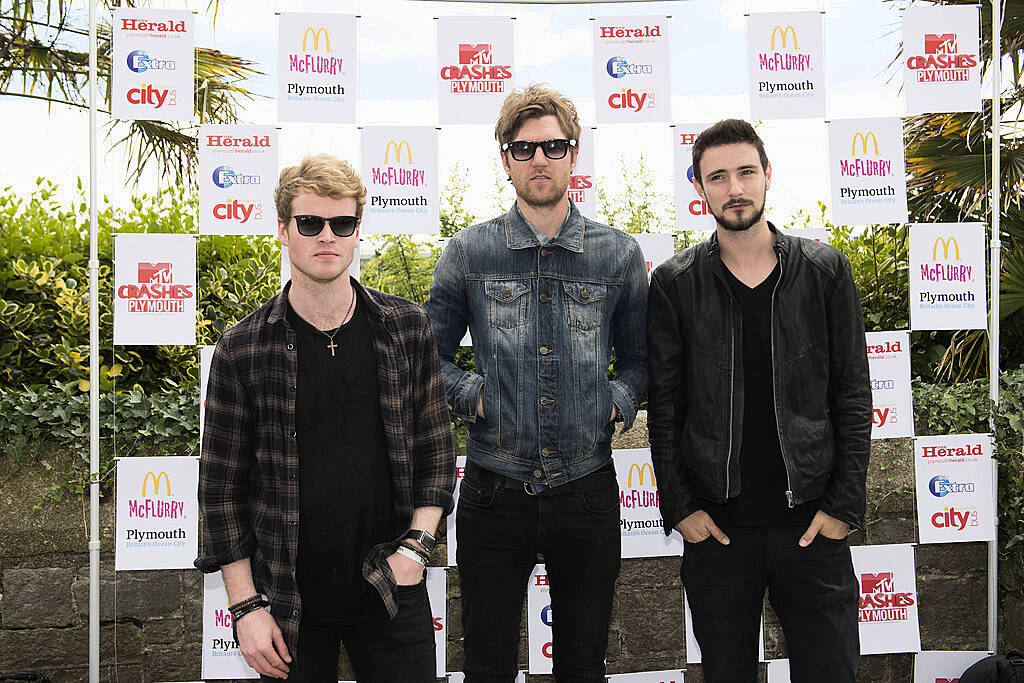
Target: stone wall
{"x": 152, "y": 621}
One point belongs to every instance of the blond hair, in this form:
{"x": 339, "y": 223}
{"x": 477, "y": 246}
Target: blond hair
{"x": 323, "y": 175}
{"x": 532, "y": 102}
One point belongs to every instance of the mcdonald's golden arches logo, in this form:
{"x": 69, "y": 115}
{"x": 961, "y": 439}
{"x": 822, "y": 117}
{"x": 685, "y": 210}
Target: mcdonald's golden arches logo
{"x": 398, "y": 145}
{"x": 640, "y": 469}
{"x": 316, "y": 33}
{"x": 789, "y": 30}
{"x": 946, "y": 242}
{"x": 863, "y": 138}
{"x": 156, "y": 483}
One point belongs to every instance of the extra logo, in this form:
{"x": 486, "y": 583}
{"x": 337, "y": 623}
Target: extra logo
{"x": 880, "y": 601}
{"x": 882, "y": 384}
{"x": 618, "y": 67}
{"x": 954, "y": 518}
{"x": 315, "y": 56}
{"x": 783, "y": 52}
{"x": 155, "y": 291}
{"x": 940, "y": 486}
{"x": 225, "y": 176}
{"x": 390, "y": 174}
{"x": 946, "y": 272}
{"x": 236, "y": 210}
{"x": 155, "y": 96}
{"x": 634, "y": 100}
{"x": 139, "y": 61}
{"x": 942, "y": 61}
{"x": 476, "y": 71}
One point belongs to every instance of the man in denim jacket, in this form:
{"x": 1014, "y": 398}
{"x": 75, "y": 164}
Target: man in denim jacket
{"x": 546, "y": 294}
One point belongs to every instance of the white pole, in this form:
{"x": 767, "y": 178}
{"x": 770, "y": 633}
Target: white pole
{"x": 94, "y": 368}
{"x": 993, "y": 334}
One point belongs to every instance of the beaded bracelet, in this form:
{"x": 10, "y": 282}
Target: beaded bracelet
{"x": 252, "y": 600}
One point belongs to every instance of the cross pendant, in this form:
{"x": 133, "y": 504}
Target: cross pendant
{"x": 332, "y": 346}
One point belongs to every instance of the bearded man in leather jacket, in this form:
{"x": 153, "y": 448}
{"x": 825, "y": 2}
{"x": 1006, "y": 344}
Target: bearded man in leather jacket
{"x": 760, "y": 423}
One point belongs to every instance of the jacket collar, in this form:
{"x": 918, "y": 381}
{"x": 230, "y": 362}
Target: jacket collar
{"x": 782, "y": 242}
{"x": 519, "y": 234}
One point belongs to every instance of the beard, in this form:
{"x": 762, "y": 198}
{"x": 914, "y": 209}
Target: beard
{"x": 539, "y": 198}
{"x": 741, "y": 222}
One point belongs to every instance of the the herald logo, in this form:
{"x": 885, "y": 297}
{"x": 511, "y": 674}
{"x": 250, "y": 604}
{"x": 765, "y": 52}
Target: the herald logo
{"x": 877, "y": 583}
{"x": 236, "y": 210}
{"x": 147, "y": 94}
{"x": 951, "y": 518}
{"x": 699, "y": 207}
{"x": 152, "y": 273}
{"x": 940, "y": 44}
{"x": 475, "y": 54}
{"x": 630, "y": 99}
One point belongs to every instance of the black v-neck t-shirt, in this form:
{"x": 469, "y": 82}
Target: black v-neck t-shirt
{"x": 345, "y": 500}
{"x": 763, "y": 483}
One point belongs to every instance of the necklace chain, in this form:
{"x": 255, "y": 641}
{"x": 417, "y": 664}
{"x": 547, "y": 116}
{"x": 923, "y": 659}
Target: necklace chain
{"x": 330, "y": 337}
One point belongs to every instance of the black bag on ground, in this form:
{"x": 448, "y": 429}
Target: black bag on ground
{"x": 1008, "y": 668}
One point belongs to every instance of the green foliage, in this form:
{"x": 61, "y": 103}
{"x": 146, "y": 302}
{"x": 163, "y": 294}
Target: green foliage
{"x": 403, "y": 266}
{"x": 963, "y": 408}
{"x": 49, "y": 425}
{"x": 453, "y": 213}
{"x": 636, "y": 206}
{"x": 237, "y": 275}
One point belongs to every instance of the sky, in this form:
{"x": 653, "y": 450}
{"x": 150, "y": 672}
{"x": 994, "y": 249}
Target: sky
{"x": 554, "y": 44}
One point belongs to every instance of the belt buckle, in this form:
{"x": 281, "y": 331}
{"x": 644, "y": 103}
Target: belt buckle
{"x": 526, "y": 487}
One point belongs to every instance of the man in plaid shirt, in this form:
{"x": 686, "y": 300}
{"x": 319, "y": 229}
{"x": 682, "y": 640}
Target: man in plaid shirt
{"x": 328, "y": 456}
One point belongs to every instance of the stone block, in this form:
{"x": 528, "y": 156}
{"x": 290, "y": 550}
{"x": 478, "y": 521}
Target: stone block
{"x": 36, "y": 598}
{"x": 163, "y": 631}
{"x": 180, "y": 662}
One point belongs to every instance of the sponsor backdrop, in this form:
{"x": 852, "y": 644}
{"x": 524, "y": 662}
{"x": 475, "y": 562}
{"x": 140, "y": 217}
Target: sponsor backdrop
{"x": 955, "y": 501}
{"x": 947, "y": 276}
{"x": 157, "y": 524}
{"x": 778, "y": 671}
{"x": 437, "y": 593}
{"x": 785, "y": 65}
{"x": 942, "y": 666}
{"x": 205, "y": 360}
{"x": 154, "y": 289}
{"x": 941, "y": 65}
{"x": 888, "y": 598}
{"x": 460, "y": 474}
{"x": 632, "y": 62}
{"x": 222, "y": 657}
{"x": 475, "y": 68}
{"x": 892, "y": 401}
{"x": 640, "y": 520}
{"x": 153, "y": 64}
{"x": 400, "y": 174}
{"x": 657, "y": 248}
{"x": 538, "y": 621}
{"x": 867, "y": 171}
{"x": 316, "y": 67}
{"x": 237, "y": 176}
{"x": 583, "y": 183}
{"x": 691, "y": 211}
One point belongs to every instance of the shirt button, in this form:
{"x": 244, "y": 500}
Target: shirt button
{"x": 545, "y": 252}
{"x": 544, "y": 350}
{"x": 545, "y": 401}
{"x": 295, "y": 612}
{"x": 292, "y": 388}
{"x": 292, "y": 523}
{"x": 290, "y": 347}
{"x": 537, "y": 473}
{"x": 545, "y": 451}
{"x": 544, "y": 298}
{"x": 293, "y": 435}
{"x": 586, "y": 293}
{"x": 507, "y": 293}
{"x": 291, "y": 477}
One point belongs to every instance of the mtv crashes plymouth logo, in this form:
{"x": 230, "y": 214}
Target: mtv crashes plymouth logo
{"x": 155, "y": 291}
{"x": 880, "y": 601}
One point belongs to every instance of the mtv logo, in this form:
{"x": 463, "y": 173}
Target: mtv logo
{"x": 475, "y": 54}
{"x": 941, "y": 43}
{"x": 876, "y": 583}
{"x": 154, "y": 273}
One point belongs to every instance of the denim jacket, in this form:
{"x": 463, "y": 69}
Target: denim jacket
{"x": 543, "y": 320}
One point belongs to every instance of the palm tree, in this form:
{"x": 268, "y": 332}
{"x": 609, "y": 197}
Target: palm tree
{"x": 949, "y": 162}
{"x": 41, "y": 57}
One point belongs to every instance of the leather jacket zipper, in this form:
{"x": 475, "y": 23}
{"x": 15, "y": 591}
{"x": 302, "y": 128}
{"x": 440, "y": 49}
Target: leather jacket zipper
{"x": 775, "y": 394}
{"x": 732, "y": 383}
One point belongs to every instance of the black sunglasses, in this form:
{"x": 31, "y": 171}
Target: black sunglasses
{"x": 311, "y": 226}
{"x": 523, "y": 150}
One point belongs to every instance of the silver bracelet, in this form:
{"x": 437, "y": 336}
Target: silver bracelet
{"x": 405, "y": 552}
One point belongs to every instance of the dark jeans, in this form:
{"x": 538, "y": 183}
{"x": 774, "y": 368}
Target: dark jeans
{"x": 381, "y": 650}
{"x": 813, "y": 590}
{"x": 500, "y": 531}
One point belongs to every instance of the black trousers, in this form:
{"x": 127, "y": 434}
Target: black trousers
{"x": 381, "y": 650}
{"x": 813, "y": 590}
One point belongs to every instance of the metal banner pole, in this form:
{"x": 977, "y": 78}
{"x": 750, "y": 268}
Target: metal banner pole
{"x": 94, "y": 368}
{"x": 993, "y": 334}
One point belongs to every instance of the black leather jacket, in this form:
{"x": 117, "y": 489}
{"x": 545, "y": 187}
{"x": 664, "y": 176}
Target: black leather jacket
{"x": 820, "y": 366}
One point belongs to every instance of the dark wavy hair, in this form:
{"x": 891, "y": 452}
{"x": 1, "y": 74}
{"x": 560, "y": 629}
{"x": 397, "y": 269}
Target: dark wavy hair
{"x": 726, "y": 132}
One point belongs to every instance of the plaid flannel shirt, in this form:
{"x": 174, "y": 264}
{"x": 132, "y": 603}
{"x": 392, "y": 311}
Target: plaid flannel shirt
{"x": 248, "y": 483}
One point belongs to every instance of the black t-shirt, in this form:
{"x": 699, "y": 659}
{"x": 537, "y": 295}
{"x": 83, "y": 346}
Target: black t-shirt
{"x": 345, "y": 505}
{"x": 763, "y": 484}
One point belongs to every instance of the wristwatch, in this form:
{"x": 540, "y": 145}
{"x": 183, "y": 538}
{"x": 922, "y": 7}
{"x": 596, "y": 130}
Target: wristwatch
{"x": 424, "y": 538}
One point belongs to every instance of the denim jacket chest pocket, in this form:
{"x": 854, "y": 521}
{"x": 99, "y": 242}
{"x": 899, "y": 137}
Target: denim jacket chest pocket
{"x": 585, "y": 304}
{"x": 507, "y": 303}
